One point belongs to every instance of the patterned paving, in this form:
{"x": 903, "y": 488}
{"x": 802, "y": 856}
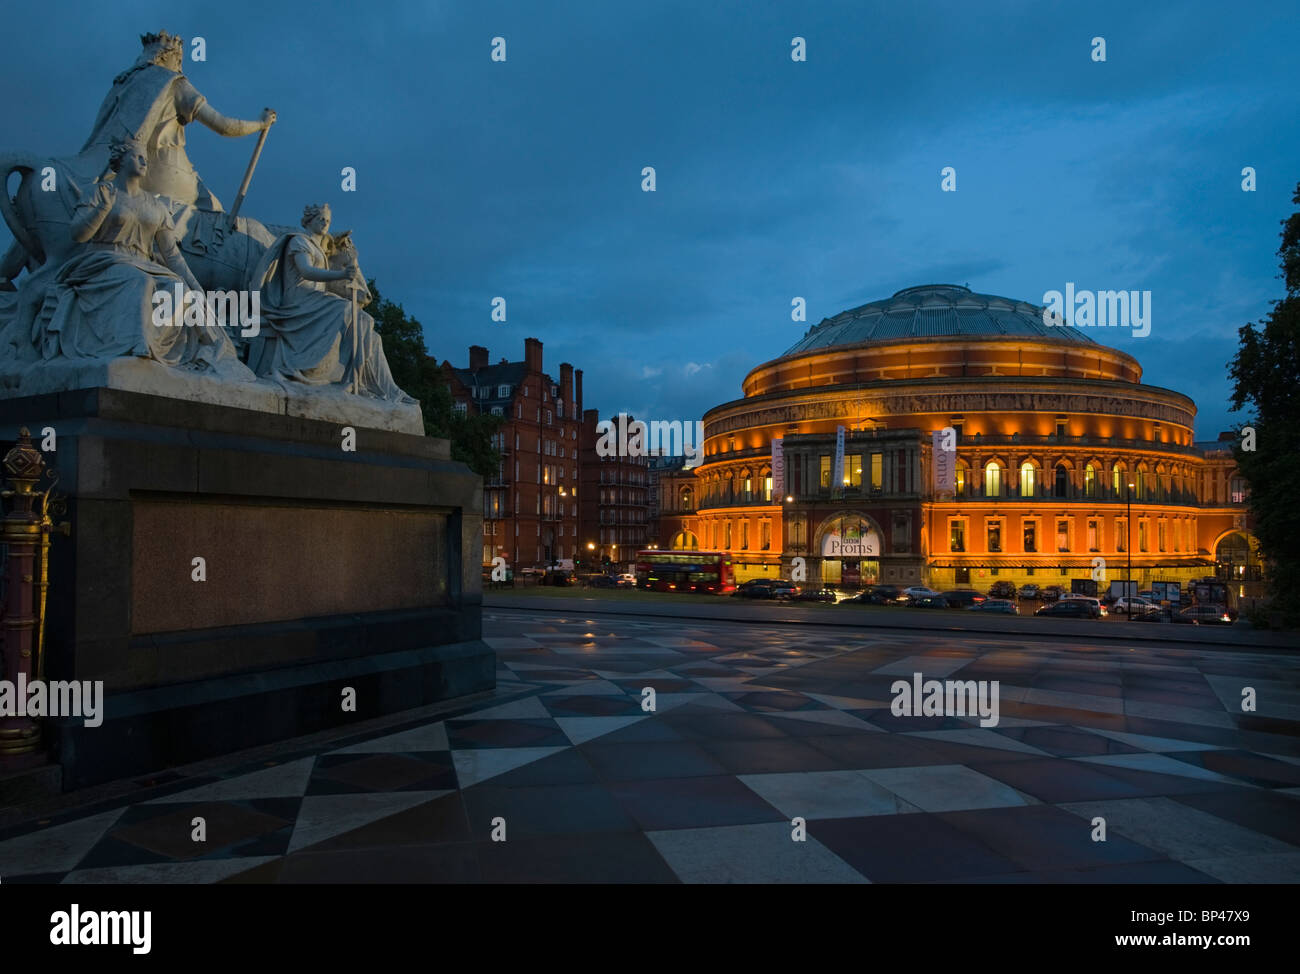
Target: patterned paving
{"x": 753, "y": 727}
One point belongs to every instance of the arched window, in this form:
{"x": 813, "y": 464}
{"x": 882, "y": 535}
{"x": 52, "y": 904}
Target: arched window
{"x": 992, "y": 479}
{"x": 1062, "y": 481}
{"x": 1140, "y": 492}
{"x": 961, "y": 478}
{"x": 1117, "y": 480}
{"x": 688, "y": 498}
{"x": 1026, "y": 479}
{"x": 1090, "y": 481}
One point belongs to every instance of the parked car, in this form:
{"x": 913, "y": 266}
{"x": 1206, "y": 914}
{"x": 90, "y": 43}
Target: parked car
{"x": 1204, "y": 614}
{"x": 761, "y": 589}
{"x": 559, "y": 576}
{"x": 625, "y": 580}
{"x": 1134, "y": 606}
{"x": 1051, "y": 593}
{"x": 1068, "y": 608}
{"x": 1002, "y": 590}
{"x": 603, "y": 581}
{"x": 1004, "y": 606}
{"x": 1095, "y": 608}
{"x": 962, "y": 598}
{"x": 913, "y": 591}
{"x": 935, "y": 601}
{"x": 781, "y": 589}
{"x": 816, "y": 595}
{"x": 875, "y": 595}
{"x": 1029, "y": 591}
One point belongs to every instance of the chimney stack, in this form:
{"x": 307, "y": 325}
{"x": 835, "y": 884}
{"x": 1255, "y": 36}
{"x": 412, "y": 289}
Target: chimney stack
{"x": 533, "y": 354}
{"x": 566, "y": 382}
{"x": 577, "y": 389}
{"x": 478, "y": 358}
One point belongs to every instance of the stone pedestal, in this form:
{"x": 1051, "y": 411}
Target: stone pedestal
{"x": 323, "y": 569}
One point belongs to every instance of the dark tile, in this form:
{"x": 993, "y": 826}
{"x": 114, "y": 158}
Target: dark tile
{"x": 715, "y": 726}
{"x": 913, "y": 848}
{"x": 769, "y": 756}
{"x": 567, "y": 767}
{"x": 441, "y": 820}
{"x": 608, "y": 858}
{"x": 451, "y": 863}
{"x": 545, "y": 810}
{"x": 1263, "y": 811}
{"x": 344, "y": 774}
{"x": 1257, "y": 769}
{"x": 591, "y": 705}
{"x": 163, "y": 833}
{"x": 504, "y": 733}
{"x": 868, "y": 750}
{"x": 693, "y": 803}
{"x": 634, "y": 762}
{"x": 760, "y": 701}
{"x": 1042, "y": 837}
{"x": 1068, "y": 742}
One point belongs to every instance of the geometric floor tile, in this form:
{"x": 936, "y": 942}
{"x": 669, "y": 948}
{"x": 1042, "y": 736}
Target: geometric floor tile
{"x": 947, "y": 788}
{"x": 322, "y": 817}
{"x": 283, "y": 780}
{"x": 473, "y": 766}
{"x": 826, "y": 794}
{"x": 762, "y": 853}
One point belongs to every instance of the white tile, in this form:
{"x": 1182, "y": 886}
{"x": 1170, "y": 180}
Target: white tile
{"x": 1149, "y": 743}
{"x": 1160, "y": 764}
{"x": 981, "y": 737}
{"x": 55, "y": 849}
{"x": 282, "y": 781}
{"x": 947, "y": 788}
{"x": 530, "y": 708}
{"x": 825, "y": 794}
{"x": 582, "y": 729}
{"x": 1178, "y": 831}
{"x": 763, "y": 853}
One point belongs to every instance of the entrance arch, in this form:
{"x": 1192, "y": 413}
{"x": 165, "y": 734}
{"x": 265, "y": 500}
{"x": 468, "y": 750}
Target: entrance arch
{"x": 849, "y": 547}
{"x": 1236, "y": 557}
{"x": 685, "y": 541}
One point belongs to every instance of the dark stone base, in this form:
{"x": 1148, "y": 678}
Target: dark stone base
{"x": 324, "y": 567}
{"x": 169, "y": 726}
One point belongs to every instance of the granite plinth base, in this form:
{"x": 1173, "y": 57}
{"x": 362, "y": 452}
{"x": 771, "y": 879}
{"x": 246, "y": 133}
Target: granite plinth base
{"x": 230, "y": 571}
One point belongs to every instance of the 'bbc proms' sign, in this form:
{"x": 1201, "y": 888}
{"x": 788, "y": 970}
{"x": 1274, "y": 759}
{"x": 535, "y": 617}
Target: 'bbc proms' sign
{"x": 851, "y": 541}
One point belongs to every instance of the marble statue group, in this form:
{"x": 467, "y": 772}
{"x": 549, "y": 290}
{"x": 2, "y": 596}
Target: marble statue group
{"x": 99, "y": 236}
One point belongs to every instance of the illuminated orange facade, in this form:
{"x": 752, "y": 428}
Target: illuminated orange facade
{"x": 1056, "y": 439}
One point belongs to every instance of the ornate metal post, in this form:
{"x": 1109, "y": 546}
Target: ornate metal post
{"x": 23, "y": 531}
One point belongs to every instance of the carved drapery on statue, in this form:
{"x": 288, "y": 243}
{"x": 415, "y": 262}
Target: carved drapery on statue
{"x": 71, "y": 302}
{"x": 309, "y": 334}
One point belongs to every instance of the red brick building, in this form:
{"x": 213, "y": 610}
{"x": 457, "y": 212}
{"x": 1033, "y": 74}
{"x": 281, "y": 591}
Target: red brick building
{"x": 614, "y": 505}
{"x": 530, "y": 509}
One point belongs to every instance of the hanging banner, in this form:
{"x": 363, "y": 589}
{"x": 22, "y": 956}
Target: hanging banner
{"x": 943, "y": 454}
{"x": 837, "y": 475}
{"x": 778, "y": 468}
{"x": 851, "y": 539}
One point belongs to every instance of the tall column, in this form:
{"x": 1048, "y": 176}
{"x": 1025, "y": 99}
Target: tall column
{"x": 20, "y": 531}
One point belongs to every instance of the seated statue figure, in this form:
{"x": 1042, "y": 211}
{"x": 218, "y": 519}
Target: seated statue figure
{"x": 310, "y": 334}
{"x": 103, "y": 300}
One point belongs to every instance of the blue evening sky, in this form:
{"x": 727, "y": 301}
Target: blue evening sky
{"x": 775, "y": 179}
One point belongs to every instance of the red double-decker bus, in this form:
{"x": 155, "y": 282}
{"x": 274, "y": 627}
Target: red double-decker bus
{"x": 684, "y": 571}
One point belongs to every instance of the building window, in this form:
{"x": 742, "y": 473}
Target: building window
{"x": 902, "y": 533}
{"x": 956, "y": 535}
{"x": 992, "y": 480}
{"x": 994, "y": 536}
{"x": 960, "y": 479}
{"x": 1160, "y": 535}
{"x": 1089, "y": 481}
{"x": 1117, "y": 479}
{"x": 497, "y": 411}
{"x": 767, "y": 488}
{"x": 1031, "y": 536}
{"x": 1062, "y": 480}
{"x": 877, "y": 471}
{"x": 1142, "y": 535}
{"x": 1237, "y": 490}
{"x": 1026, "y": 479}
{"x": 1062, "y": 535}
{"x": 503, "y": 392}
{"x": 962, "y": 576}
{"x": 1094, "y": 536}
{"x": 765, "y": 535}
{"x": 462, "y": 408}
{"x": 853, "y": 470}
{"x": 744, "y": 535}
{"x": 1060, "y": 429}
{"x": 824, "y": 471}
{"x": 726, "y": 535}
{"x": 1121, "y": 534}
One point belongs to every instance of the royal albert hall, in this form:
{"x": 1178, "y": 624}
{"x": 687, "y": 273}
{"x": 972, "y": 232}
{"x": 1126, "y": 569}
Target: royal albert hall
{"x": 1062, "y": 457}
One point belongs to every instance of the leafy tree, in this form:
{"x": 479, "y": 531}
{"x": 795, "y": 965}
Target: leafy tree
{"x": 1266, "y": 376}
{"x": 418, "y": 373}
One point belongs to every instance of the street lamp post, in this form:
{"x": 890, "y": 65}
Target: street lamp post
{"x": 1128, "y": 584}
